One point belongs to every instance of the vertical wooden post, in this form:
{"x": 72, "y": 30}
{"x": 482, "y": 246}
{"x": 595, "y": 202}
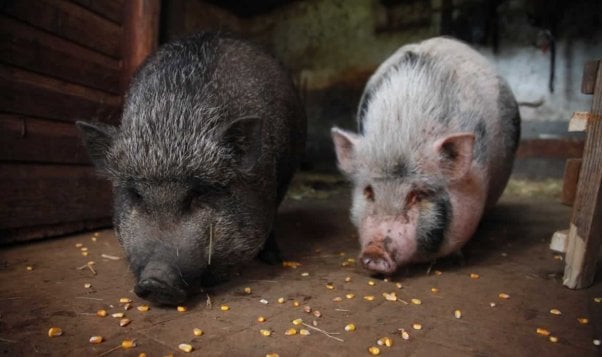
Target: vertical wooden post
{"x": 141, "y": 35}
{"x": 585, "y": 233}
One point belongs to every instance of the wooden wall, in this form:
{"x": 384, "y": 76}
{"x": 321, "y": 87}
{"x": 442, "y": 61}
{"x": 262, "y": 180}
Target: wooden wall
{"x": 62, "y": 61}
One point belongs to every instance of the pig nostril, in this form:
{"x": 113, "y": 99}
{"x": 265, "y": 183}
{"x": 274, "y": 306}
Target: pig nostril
{"x": 159, "y": 292}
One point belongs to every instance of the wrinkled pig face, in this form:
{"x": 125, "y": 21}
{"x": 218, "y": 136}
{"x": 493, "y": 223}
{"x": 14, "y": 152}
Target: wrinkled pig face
{"x": 177, "y": 233}
{"x": 183, "y": 211}
{"x": 401, "y": 204}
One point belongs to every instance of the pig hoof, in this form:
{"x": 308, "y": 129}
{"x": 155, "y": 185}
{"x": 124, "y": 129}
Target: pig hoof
{"x": 270, "y": 253}
{"x": 159, "y": 292}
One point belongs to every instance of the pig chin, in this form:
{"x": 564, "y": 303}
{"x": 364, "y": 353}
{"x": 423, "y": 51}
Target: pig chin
{"x": 387, "y": 245}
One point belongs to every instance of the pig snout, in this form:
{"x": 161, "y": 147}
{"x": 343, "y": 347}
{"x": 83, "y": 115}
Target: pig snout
{"x": 375, "y": 258}
{"x": 160, "y": 283}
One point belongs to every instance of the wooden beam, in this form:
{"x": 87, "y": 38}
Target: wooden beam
{"x": 570, "y": 181}
{"x": 585, "y": 234}
{"x": 590, "y": 72}
{"x": 578, "y": 121}
{"x": 141, "y": 35}
{"x": 549, "y": 148}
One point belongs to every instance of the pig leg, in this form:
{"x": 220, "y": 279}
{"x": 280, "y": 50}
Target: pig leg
{"x": 270, "y": 253}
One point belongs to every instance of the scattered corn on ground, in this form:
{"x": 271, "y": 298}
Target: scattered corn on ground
{"x": 403, "y": 313}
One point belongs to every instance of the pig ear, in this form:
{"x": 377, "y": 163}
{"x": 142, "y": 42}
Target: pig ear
{"x": 344, "y": 145}
{"x": 98, "y": 139}
{"x": 244, "y": 137}
{"x": 455, "y": 154}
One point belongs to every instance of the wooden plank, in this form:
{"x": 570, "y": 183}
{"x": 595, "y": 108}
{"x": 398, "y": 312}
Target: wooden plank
{"x": 590, "y": 71}
{"x": 27, "y": 139}
{"x": 109, "y": 9}
{"x": 34, "y": 195}
{"x": 27, "y": 93}
{"x": 51, "y": 230}
{"x": 570, "y": 181}
{"x": 550, "y": 148}
{"x": 35, "y": 50}
{"x": 585, "y": 234}
{"x": 559, "y": 241}
{"x": 140, "y": 36}
{"x": 578, "y": 121}
{"x": 69, "y": 21}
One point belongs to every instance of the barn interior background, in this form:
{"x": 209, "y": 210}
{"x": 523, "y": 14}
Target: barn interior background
{"x": 64, "y": 60}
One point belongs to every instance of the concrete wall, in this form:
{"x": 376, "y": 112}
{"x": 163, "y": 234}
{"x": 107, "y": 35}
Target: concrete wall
{"x": 332, "y": 46}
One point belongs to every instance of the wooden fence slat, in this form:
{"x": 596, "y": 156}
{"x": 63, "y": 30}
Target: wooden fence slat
{"x": 69, "y": 21}
{"x": 35, "y": 50}
{"x": 26, "y": 139}
{"x": 27, "y": 93}
{"x": 50, "y": 194}
{"x": 109, "y": 9}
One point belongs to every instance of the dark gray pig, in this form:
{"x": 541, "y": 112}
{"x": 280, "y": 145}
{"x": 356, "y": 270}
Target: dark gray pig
{"x": 211, "y": 134}
{"x": 438, "y": 130}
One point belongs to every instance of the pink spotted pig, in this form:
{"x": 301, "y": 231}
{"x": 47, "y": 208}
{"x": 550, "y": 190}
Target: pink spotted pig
{"x": 438, "y": 130}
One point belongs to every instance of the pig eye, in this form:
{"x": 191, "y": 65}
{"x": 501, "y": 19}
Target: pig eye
{"x": 134, "y": 194}
{"x": 369, "y": 193}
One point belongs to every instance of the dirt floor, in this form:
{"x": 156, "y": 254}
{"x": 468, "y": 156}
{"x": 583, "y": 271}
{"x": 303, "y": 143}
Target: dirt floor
{"x": 509, "y": 253}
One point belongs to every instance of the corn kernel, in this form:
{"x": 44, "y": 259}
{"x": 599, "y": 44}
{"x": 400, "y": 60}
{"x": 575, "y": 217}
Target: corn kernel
{"x": 553, "y": 339}
{"x": 542, "y": 331}
{"x": 390, "y": 296}
{"x": 305, "y": 274}
{"x": 596, "y": 342}
{"x": 261, "y": 319}
{"x": 438, "y": 272}
{"x": 96, "y": 340}
{"x": 329, "y": 286}
{"x": 416, "y": 301}
{"x": 350, "y": 327}
{"x": 555, "y": 312}
{"x": 290, "y": 332}
{"x": 492, "y": 304}
{"x": 296, "y": 303}
{"x": 374, "y": 351}
{"x": 289, "y": 264}
{"x": 185, "y": 347}
{"x": 369, "y": 297}
{"x": 398, "y": 285}
{"x": 263, "y": 301}
{"x": 142, "y": 354}
{"x": 247, "y": 290}
{"x": 118, "y": 315}
{"x": 126, "y": 344}
{"x": 224, "y": 307}
{"x": 182, "y": 309}
{"x": 457, "y": 314}
{"x": 504, "y": 296}
{"x": 347, "y": 279}
{"x": 143, "y": 308}
{"x": 87, "y": 285}
{"x": 272, "y": 355}
{"x": 101, "y": 313}
{"x": 474, "y": 276}
{"x": 84, "y": 249}
{"x": 350, "y": 296}
{"x": 371, "y": 283}
{"x": 598, "y": 299}
{"x": 29, "y": 268}
{"x": 93, "y": 239}
{"x": 304, "y": 332}
{"x": 280, "y": 300}
{"x": 384, "y": 341}
{"x": 417, "y": 326}
{"x": 124, "y": 322}
{"x": 127, "y": 306}
{"x": 337, "y": 299}
{"x": 434, "y": 290}
{"x": 85, "y": 254}
{"x": 583, "y": 320}
{"x": 307, "y": 308}
{"x": 55, "y": 331}
{"x": 78, "y": 245}
{"x": 317, "y": 313}
{"x": 197, "y": 331}
{"x": 405, "y": 335}
{"x": 297, "y": 322}
{"x": 265, "y": 332}
{"x": 125, "y": 300}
